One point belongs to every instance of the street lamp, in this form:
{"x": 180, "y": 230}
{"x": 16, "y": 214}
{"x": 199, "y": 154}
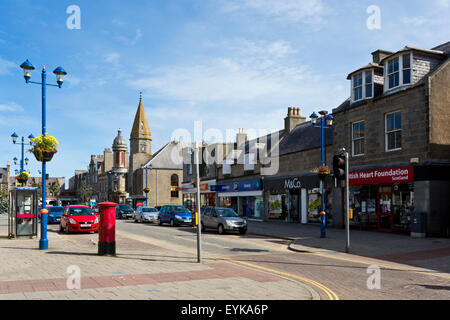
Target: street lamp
{"x": 23, "y": 162}
{"x": 146, "y": 190}
{"x": 118, "y": 175}
{"x": 326, "y": 122}
{"x": 60, "y": 73}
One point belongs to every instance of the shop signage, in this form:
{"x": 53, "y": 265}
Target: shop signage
{"x": 292, "y": 184}
{"x": 296, "y": 182}
{"x": 240, "y": 186}
{"x": 382, "y": 176}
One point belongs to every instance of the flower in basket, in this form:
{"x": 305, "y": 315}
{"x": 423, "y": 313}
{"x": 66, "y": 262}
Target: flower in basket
{"x": 324, "y": 170}
{"x": 146, "y": 189}
{"x": 43, "y": 147}
{"x": 23, "y": 176}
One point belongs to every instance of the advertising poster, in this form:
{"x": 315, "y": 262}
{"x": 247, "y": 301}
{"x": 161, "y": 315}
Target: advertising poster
{"x": 274, "y": 206}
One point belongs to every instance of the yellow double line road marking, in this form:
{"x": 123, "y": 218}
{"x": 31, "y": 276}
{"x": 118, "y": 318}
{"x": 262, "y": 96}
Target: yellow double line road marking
{"x": 330, "y": 293}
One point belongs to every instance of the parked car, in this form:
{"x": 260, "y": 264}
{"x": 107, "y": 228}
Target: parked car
{"x": 146, "y": 214}
{"x": 175, "y": 215}
{"x": 222, "y": 220}
{"x": 124, "y": 211}
{"x": 54, "y": 214}
{"x": 78, "y": 219}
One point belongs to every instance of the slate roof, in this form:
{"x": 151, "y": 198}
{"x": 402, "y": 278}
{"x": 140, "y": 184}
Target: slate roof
{"x": 304, "y": 137}
{"x": 168, "y": 157}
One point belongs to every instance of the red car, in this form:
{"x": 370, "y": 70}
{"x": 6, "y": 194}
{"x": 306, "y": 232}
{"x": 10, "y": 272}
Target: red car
{"x": 78, "y": 219}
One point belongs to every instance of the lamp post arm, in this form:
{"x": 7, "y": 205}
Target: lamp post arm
{"x": 47, "y": 84}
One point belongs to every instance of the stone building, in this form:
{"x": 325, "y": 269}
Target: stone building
{"x": 163, "y": 175}
{"x": 395, "y": 126}
{"x": 4, "y": 180}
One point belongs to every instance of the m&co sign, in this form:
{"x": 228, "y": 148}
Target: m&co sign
{"x": 382, "y": 176}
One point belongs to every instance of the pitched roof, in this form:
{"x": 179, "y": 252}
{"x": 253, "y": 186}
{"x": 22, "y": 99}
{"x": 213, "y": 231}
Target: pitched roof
{"x": 140, "y": 125}
{"x": 304, "y": 137}
{"x": 168, "y": 157}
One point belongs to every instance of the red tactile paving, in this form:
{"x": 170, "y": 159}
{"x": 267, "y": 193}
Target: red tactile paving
{"x": 217, "y": 271}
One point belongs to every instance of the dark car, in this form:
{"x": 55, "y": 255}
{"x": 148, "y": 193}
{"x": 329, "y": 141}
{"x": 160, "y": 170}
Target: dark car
{"x": 124, "y": 211}
{"x": 54, "y": 214}
{"x": 175, "y": 215}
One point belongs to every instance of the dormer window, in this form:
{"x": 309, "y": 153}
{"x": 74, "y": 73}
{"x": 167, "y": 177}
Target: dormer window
{"x": 398, "y": 71}
{"x": 362, "y": 85}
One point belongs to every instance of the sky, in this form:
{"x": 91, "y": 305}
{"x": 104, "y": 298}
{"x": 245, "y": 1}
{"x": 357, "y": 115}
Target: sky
{"x": 228, "y": 63}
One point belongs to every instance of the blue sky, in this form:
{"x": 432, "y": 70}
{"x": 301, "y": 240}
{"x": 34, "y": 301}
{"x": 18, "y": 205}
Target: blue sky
{"x": 232, "y": 64}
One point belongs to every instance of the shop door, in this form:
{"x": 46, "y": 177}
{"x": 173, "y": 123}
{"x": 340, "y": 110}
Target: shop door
{"x": 385, "y": 212}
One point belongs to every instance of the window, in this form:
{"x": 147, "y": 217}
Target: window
{"x": 358, "y": 138}
{"x": 357, "y": 87}
{"x": 393, "y": 73}
{"x": 399, "y": 71}
{"x": 174, "y": 184}
{"x": 190, "y": 168}
{"x": 369, "y": 84}
{"x": 393, "y": 131}
{"x": 406, "y": 69}
{"x": 249, "y": 162}
{"x": 363, "y": 85}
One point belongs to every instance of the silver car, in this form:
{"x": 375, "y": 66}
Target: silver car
{"x": 146, "y": 214}
{"x": 223, "y": 220}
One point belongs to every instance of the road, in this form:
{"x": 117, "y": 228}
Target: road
{"x": 332, "y": 276}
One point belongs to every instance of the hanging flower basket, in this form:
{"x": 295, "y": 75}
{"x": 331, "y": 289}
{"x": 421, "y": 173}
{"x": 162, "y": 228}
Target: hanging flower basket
{"x": 324, "y": 172}
{"x": 146, "y": 190}
{"x": 23, "y": 177}
{"x": 44, "y": 147}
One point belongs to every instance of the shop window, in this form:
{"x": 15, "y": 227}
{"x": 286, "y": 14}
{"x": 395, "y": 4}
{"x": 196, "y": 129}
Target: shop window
{"x": 394, "y": 131}
{"x": 358, "y": 138}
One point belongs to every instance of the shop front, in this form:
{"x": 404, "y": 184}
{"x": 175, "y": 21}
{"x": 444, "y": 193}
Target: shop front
{"x": 295, "y": 198}
{"x": 382, "y": 199}
{"x": 244, "y": 197}
{"x": 207, "y": 194}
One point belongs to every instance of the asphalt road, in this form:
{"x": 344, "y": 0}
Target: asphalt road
{"x": 333, "y": 277}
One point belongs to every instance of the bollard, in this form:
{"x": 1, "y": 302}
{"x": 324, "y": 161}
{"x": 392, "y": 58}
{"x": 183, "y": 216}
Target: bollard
{"x": 107, "y": 230}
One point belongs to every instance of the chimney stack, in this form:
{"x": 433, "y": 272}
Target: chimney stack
{"x": 293, "y": 119}
{"x": 241, "y": 137}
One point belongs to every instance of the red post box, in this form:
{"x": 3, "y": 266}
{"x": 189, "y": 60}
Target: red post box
{"x": 107, "y": 230}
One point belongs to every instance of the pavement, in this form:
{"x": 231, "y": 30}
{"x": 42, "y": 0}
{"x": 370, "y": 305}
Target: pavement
{"x": 157, "y": 269}
{"x": 430, "y": 253}
{"x": 72, "y": 270}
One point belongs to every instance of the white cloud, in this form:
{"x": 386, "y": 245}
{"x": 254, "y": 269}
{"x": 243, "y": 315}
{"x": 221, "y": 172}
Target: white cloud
{"x": 249, "y": 71}
{"x": 112, "y": 57}
{"x": 414, "y": 21}
{"x": 10, "y": 107}
{"x": 5, "y": 66}
{"x": 306, "y": 11}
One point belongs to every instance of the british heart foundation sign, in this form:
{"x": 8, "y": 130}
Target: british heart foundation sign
{"x": 382, "y": 176}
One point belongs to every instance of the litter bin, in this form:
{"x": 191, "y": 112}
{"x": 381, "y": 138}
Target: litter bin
{"x": 418, "y": 224}
{"x": 107, "y": 230}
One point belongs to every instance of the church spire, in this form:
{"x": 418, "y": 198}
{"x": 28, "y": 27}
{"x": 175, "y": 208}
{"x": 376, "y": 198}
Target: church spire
{"x": 140, "y": 126}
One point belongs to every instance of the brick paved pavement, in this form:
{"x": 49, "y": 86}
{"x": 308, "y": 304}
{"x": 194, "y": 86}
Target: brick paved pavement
{"x": 431, "y": 253}
{"x": 141, "y": 270}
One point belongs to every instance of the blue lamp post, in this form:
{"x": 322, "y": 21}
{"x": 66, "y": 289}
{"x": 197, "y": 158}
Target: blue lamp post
{"x": 146, "y": 182}
{"x": 23, "y": 162}
{"x": 60, "y": 73}
{"x": 326, "y": 122}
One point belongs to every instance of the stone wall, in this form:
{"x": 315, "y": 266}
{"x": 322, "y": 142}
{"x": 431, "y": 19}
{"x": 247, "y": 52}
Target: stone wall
{"x": 440, "y": 113}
